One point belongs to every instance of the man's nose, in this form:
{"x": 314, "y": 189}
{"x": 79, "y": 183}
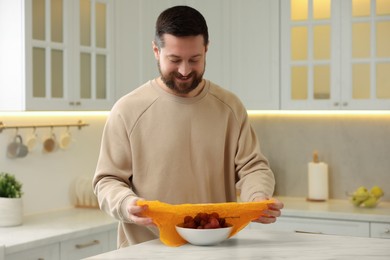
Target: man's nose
{"x": 184, "y": 69}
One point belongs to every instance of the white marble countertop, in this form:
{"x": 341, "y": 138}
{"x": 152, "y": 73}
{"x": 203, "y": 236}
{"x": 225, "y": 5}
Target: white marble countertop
{"x": 334, "y": 209}
{"x": 256, "y": 244}
{"x": 51, "y": 227}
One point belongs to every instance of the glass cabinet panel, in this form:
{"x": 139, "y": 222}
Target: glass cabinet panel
{"x": 299, "y": 10}
{"x": 56, "y": 21}
{"x": 361, "y": 8}
{"x": 85, "y": 75}
{"x": 383, "y": 39}
{"x": 57, "y": 74}
{"x": 101, "y": 25}
{"x": 299, "y": 84}
{"x": 85, "y": 22}
{"x": 383, "y": 80}
{"x": 299, "y": 43}
{"x": 39, "y": 72}
{"x": 321, "y": 44}
{"x": 321, "y": 9}
{"x": 361, "y": 81}
{"x": 321, "y": 82}
{"x": 101, "y": 72}
{"x": 38, "y": 19}
{"x": 361, "y": 38}
{"x": 382, "y": 7}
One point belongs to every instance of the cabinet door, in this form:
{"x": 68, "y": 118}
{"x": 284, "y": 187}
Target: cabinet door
{"x": 380, "y": 230}
{"x": 253, "y": 58}
{"x": 50, "y": 252}
{"x": 310, "y": 54}
{"x": 365, "y": 57}
{"x": 93, "y": 55}
{"x": 69, "y": 55}
{"x": 320, "y": 226}
{"x": 47, "y": 49}
{"x": 86, "y": 246}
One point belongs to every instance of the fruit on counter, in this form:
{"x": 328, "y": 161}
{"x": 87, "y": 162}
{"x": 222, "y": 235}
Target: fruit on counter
{"x": 370, "y": 202}
{"x": 377, "y": 191}
{"x": 204, "y": 221}
{"x": 364, "y": 198}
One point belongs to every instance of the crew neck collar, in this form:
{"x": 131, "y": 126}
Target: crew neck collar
{"x": 180, "y": 99}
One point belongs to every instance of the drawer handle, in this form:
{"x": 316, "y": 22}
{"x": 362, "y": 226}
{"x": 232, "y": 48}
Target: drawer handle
{"x": 92, "y": 243}
{"x": 307, "y": 232}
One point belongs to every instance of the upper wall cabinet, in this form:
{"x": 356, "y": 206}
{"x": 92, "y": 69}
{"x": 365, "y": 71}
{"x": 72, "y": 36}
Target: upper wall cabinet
{"x": 243, "y": 53}
{"x": 335, "y": 54}
{"x": 63, "y": 58}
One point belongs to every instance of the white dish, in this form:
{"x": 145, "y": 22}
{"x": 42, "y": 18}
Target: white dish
{"x": 204, "y": 237}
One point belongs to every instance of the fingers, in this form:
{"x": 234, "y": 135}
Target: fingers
{"x": 271, "y": 214}
{"x": 135, "y": 214}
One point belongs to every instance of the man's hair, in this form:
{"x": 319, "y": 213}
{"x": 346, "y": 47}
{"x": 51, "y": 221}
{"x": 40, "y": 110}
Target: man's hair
{"x": 180, "y": 21}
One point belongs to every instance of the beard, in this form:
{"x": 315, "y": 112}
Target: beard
{"x": 180, "y": 88}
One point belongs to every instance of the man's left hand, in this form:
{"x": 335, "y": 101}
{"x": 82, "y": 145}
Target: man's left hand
{"x": 269, "y": 215}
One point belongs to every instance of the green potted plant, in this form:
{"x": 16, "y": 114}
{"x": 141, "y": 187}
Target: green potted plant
{"x": 11, "y": 206}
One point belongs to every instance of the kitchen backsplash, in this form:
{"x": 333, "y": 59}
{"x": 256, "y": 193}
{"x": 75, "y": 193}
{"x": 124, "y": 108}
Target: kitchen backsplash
{"x": 356, "y": 148}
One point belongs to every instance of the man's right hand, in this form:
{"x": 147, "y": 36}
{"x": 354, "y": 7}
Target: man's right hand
{"x": 135, "y": 213}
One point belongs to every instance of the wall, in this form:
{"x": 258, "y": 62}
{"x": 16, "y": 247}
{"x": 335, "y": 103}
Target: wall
{"x": 356, "y": 147}
{"x": 47, "y": 178}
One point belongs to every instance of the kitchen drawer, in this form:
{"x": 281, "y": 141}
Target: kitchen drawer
{"x": 48, "y": 252}
{"x": 85, "y": 246}
{"x": 321, "y": 226}
{"x": 380, "y": 230}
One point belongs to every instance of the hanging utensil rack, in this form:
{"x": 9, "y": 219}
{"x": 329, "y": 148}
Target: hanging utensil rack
{"x": 79, "y": 124}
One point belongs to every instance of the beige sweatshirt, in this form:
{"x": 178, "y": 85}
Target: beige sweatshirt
{"x": 159, "y": 146}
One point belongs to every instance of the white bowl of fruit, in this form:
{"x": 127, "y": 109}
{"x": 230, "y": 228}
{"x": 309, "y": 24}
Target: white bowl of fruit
{"x": 204, "y": 229}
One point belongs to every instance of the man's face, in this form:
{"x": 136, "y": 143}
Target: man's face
{"x": 181, "y": 62}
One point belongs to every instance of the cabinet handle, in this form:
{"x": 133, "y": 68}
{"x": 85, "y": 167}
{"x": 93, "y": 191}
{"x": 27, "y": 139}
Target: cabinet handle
{"x": 71, "y": 103}
{"x": 88, "y": 244}
{"x": 308, "y": 232}
{"x": 345, "y": 104}
{"x": 336, "y": 104}
{"x": 41, "y": 258}
{"x": 387, "y": 231}
{"x": 78, "y": 103}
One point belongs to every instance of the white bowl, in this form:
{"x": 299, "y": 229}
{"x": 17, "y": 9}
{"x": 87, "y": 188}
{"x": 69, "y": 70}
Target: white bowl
{"x": 204, "y": 237}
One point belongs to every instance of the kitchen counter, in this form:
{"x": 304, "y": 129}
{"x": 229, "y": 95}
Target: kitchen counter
{"x": 51, "y": 227}
{"x": 256, "y": 244}
{"x": 334, "y": 209}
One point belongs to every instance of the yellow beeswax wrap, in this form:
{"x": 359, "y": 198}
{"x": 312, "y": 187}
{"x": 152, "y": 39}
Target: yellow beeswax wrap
{"x": 167, "y": 216}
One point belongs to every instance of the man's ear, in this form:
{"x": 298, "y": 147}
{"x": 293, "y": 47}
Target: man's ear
{"x": 156, "y": 50}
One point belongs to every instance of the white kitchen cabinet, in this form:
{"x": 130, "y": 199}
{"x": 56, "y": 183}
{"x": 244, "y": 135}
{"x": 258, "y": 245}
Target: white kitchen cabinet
{"x": 380, "y": 230}
{"x": 85, "y": 246}
{"x": 112, "y": 239}
{"x": 335, "y": 55}
{"x": 319, "y": 226}
{"x": 49, "y": 252}
{"x": 243, "y": 54}
{"x": 71, "y": 249}
{"x": 59, "y": 55}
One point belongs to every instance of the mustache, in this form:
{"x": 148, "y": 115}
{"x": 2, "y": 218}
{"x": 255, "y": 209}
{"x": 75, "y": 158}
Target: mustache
{"x": 180, "y": 76}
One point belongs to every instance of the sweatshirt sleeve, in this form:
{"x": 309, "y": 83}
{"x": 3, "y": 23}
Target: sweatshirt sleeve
{"x": 111, "y": 182}
{"x": 255, "y": 176}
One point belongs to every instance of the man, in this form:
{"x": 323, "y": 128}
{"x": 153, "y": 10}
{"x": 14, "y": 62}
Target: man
{"x": 179, "y": 138}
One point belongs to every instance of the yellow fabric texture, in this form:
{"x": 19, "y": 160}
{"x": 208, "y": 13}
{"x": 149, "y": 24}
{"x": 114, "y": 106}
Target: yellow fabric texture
{"x": 167, "y": 216}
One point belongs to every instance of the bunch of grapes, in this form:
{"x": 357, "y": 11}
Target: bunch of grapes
{"x": 204, "y": 221}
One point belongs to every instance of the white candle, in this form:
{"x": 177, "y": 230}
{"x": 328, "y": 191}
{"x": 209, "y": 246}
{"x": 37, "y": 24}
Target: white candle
{"x": 318, "y": 181}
